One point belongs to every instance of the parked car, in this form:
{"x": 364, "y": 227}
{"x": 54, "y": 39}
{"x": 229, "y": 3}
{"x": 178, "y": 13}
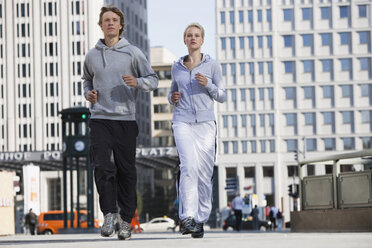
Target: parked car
{"x": 160, "y": 224}
{"x": 50, "y": 222}
{"x": 247, "y": 224}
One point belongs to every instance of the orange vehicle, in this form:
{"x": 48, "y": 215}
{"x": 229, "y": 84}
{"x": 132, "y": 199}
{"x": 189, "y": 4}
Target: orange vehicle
{"x": 50, "y": 222}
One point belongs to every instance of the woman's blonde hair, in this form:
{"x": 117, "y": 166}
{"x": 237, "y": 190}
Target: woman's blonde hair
{"x": 196, "y": 25}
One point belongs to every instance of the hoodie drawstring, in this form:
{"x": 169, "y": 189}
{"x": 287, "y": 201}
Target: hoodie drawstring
{"x": 104, "y": 56}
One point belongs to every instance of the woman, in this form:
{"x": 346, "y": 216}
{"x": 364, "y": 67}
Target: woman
{"x": 196, "y": 83}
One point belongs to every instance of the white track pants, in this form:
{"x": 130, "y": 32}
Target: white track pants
{"x": 196, "y": 144}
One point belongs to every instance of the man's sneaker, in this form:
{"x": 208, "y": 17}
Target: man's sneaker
{"x": 188, "y": 225}
{"x": 199, "y": 231}
{"x": 124, "y": 232}
{"x": 108, "y": 227}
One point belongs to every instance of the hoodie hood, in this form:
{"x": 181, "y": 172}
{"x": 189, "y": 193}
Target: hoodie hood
{"x": 119, "y": 47}
{"x": 205, "y": 58}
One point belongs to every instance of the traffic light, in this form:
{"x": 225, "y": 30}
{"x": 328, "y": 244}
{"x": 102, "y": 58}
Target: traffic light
{"x": 290, "y": 190}
{"x": 293, "y": 190}
{"x": 296, "y": 191}
{"x": 296, "y": 156}
{"x": 83, "y": 116}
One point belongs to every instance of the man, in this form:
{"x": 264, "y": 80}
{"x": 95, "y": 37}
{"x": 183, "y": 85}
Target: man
{"x": 254, "y": 215}
{"x": 31, "y": 220}
{"x": 114, "y": 71}
{"x": 237, "y": 206}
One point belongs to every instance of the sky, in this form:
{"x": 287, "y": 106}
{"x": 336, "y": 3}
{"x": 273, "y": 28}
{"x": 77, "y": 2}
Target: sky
{"x": 167, "y": 20}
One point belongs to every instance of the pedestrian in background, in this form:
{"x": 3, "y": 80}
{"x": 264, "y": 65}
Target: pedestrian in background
{"x": 114, "y": 71}
{"x": 196, "y": 84}
{"x": 237, "y": 206}
{"x": 31, "y": 221}
{"x": 272, "y": 216}
{"x": 279, "y": 217}
{"x": 255, "y": 218}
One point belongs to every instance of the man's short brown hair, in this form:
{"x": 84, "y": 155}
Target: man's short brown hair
{"x": 117, "y": 11}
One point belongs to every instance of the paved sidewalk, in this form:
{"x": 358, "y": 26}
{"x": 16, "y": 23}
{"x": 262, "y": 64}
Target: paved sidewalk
{"x": 212, "y": 239}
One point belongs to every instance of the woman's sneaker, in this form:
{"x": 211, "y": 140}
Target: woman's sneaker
{"x": 188, "y": 225}
{"x": 108, "y": 227}
{"x": 124, "y": 232}
{"x": 199, "y": 231}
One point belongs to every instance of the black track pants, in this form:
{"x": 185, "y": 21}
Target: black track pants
{"x": 116, "y": 182}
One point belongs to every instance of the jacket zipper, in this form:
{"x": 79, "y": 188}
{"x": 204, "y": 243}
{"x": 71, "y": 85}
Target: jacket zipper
{"x": 191, "y": 97}
{"x": 192, "y": 102}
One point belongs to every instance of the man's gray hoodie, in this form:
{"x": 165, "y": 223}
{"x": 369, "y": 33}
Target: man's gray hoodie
{"x": 103, "y": 70}
{"x": 197, "y": 102}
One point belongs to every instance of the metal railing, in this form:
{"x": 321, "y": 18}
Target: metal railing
{"x": 361, "y": 157}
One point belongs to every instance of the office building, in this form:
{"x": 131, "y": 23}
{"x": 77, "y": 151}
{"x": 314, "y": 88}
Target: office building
{"x": 299, "y": 79}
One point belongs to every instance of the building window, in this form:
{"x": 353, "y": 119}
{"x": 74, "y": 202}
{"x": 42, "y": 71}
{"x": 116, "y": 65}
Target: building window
{"x": 225, "y": 121}
{"x": 347, "y": 116}
{"x": 270, "y": 67}
{"x": 345, "y": 38}
{"x": 309, "y": 92}
{"x": 223, "y": 43}
{"x": 326, "y": 39}
{"x": 306, "y": 14}
{"x": 362, "y": 11}
{"x": 269, "y": 41}
{"x": 307, "y": 40}
{"x": 328, "y": 118}
{"x": 310, "y": 169}
{"x": 268, "y": 171}
{"x": 268, "y": 15}
{"x": 250, "y": 16}
{"x": 290, "y": 93}
{"x": 288, "y": 40}
{"x": 244, "y": 120}
{"x": 241, "y": 16}
{"x": 364, "y": 88}
{"x": 367, "y": 142}
{"x": 364, "y": 64}
{"x": 291, "y": 119}
{"x": 309, "y": 118}
{"x": 222, "y": 17}
{"x": 260, "y": 68}
{"x": 263, "y": 146}
{"x": 225, "y": 147}
{"x": 308, "y": 66}
{"x": 363, "y": 37}
{"x": 259, "y": 15}
{"x": 326, "y": 65}
{"x": 242, "y": 68}
{"x": 235, "y": 147}
{"x": 287, "y": 14}
{"x": 346, "y": 90}
{"x": 288, "y": 66}
{"x": 349, "y": 143}
{"x": 260, "y": 41}
{"x": 232, "y": 43}
{"x": 365, "y": 116}
{"x": 310, "y": 145}
{"x": 291, "y": 145}
{"x": 329, "y": 144}
{"x": 244, "y": 146}
{"x": 249, "y": 172}
{"x": 292, "y": 171}
{"x": 325, "y": 12}
{"x": 344, "y": 11}
{"x": 232, "y": 17}
{"x": 250, "y": 42}
{"x": 253, "y": 146}
{"x": 272, "y": 145}
{"x": 224, "y": 69}
{"x": 345, "y": 64}
{"x": 241, "y": 42}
